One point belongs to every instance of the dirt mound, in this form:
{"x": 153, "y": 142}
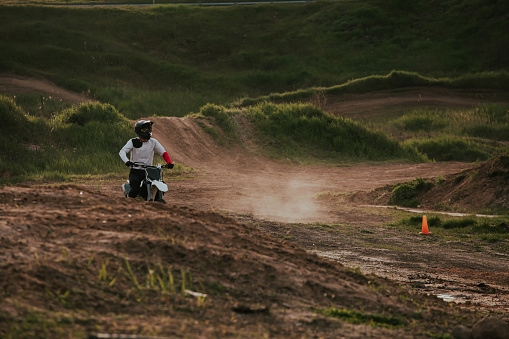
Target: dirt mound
{"x": 188, "y": 143}
{"x": 485, "y": 186}
{"x": 72, "y": 249}
{"x": 479, "y": 188}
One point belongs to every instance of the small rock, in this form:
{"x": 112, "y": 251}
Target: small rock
{"x": 492, "y": 328}
{"x": 462, "y": 332}
{"x": 250, "y": 308}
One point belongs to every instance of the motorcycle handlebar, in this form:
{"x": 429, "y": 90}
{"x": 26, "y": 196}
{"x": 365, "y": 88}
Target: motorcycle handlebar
{"x": 143, "y": 165}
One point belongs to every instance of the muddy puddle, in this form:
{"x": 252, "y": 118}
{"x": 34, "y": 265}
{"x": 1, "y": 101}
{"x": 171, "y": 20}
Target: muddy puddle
{"x": 444, "y": 286}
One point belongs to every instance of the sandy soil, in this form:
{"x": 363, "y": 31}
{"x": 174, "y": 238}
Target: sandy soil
{"x": 253, "y": 228}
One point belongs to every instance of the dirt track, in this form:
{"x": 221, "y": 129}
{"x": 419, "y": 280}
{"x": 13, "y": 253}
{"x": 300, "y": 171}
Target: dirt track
{"x": 280, "y": 199}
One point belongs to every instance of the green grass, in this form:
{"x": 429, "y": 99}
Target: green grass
{"x": 171, "y": 60}
{"x": 36, "y": 324}
{"x": 78, "y": 140}
{"x": 454, "y": 135}
{"x": 107, "y": 2}
{"x": 85, "y": 139}
{"x": 304, "y": 133}
{"x": 356, "y": 317}
{"x": 485, "y": 121}
{"x": 469, "y": 228}
{"x": 391, "y": 81}
{"x": 176, "y": 60}
{"x": 450, "y": 148}
{"x": 462, "y": 134}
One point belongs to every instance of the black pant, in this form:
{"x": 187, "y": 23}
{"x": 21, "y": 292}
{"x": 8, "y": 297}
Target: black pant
{"x": 136, "y": 177}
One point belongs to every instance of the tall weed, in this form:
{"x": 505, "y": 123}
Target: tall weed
{"x": 467, "y": 134}
{"x": 308, "y": 127}
{"x": 451, "y": 148}
{"x": 83, "y": 139}
{"x": 299, "y": 131}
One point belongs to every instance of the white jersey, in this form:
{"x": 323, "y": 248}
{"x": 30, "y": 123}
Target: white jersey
{"x": 143, "y": 153}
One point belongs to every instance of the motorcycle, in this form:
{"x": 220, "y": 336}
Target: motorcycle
{"x": 153, "y": 182}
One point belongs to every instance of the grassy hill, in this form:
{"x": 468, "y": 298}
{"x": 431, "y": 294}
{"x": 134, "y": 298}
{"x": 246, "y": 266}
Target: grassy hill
{"x": 176, "y": 60}
{"x": 171, "y": 60}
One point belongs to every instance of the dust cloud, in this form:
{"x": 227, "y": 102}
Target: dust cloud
{"x": 284, "y": 199}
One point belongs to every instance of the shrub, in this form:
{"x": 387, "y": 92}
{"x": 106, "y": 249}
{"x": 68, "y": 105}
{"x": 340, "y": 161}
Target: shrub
{"x": 404, "y": 195}
{"x": 221, "y": 116}
{"x": 86, "y": 113}
{"x": 447, "y": 148}
{"x": 423, "y": 185}
{"x": 415, "y": 121}
{"x": 12, "y": 117}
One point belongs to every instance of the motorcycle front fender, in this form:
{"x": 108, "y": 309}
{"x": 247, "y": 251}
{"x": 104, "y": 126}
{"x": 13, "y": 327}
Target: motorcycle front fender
{"x": 160, "y": 186}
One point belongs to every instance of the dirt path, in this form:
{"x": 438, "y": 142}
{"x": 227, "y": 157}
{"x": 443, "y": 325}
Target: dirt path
{"x": 14, "y": 84}
{"x": 280, "y": 199}
{"x": 377, "y": 103}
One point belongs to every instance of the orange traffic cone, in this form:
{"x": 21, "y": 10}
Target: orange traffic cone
{"x": 424, "y": 226}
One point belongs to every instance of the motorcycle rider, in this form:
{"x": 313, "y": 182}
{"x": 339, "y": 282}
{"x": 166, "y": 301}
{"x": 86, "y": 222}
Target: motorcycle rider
{"x": 142, "y": 150}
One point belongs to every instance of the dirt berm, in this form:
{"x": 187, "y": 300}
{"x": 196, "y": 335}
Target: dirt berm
{"x": 93, "y": 262}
